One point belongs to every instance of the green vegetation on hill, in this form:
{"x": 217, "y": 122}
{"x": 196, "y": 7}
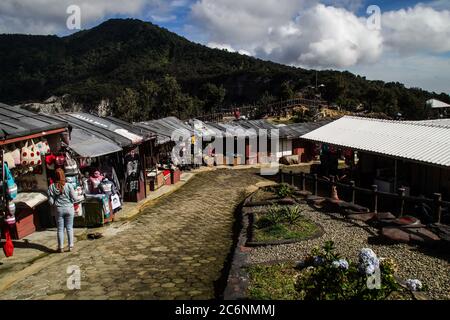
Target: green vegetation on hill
{"x": 150, "y": 72}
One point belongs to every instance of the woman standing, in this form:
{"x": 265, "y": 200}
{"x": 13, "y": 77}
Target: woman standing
{"x": 62, "y": 197}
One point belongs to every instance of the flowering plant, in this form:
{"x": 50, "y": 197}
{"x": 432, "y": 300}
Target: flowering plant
{"x": 368, "y": 261}
{"x": 327, "y": 276}
{"x": 414, "y": 284}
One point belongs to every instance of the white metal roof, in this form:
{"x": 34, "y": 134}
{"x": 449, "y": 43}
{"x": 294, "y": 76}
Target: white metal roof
{"x": 423, "y": 142}
{"x": 437, "y": 104}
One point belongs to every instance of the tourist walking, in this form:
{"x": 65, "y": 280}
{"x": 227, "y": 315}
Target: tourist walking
{"x": 62, "y": 197}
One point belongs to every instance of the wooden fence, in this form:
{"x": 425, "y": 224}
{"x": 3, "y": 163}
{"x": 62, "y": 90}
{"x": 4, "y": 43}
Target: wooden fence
{"x": 274, "y": 109}
{"x": 303, "y": 180}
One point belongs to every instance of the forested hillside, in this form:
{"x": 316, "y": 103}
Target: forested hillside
{"x": 149, "y": 72}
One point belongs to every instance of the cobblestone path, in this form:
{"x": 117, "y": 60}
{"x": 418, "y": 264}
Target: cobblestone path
{"x": 175, "y": 249}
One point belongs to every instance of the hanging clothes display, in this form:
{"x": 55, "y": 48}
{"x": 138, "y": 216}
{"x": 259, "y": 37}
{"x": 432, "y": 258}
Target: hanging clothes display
{"x": 132, "y": 171}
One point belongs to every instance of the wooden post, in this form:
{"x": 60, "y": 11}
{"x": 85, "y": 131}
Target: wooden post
{"x": 437, "y": 205}
{"x": 331, "y": 185}
{"x": 352, "y": 186}
{"x": 292, "y": 178}
{"x": 401, "y": 193}
{"x": 375, "y": 198}
{"x": 315, "y": 184}
{"x": 303, "y": 178}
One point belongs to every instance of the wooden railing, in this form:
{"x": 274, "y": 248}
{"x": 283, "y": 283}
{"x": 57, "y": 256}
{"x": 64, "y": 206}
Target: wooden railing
{"x": 252, "y": 111}
{"x": 437, "y": 204}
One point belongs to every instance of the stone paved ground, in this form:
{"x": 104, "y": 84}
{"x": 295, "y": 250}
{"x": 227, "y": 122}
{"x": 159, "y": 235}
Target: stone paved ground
{"x": 175, "y": 250}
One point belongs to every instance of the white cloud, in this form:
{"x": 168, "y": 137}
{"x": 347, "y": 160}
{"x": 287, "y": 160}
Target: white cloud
{"x": 418, "y": 29}
{"x": 158, "y": 18}
{"x": 292, "y": 32}
{"x": 227, "y": 47}
{"x": 49, "y": 16}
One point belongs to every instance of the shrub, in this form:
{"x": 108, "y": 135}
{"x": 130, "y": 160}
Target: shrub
{"x": 327, "y": 276}
{"x": 292, "y": 214}
{"x": 272, "y": 217}
{"x": 278, "y": 214}
{"x": 284, "y": 190}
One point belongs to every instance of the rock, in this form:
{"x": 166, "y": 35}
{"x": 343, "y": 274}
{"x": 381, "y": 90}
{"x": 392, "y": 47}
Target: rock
{"x": 395, "y": 234}
{"x": 365, "y": 217}
{"x": 385, "y": 216}
{"x": 443, "y": 231}
{"x": 423, "y": 233}
{"x": 406, "y": 221}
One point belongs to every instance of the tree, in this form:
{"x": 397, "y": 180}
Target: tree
{"x": 212, "y": 95}
{"x": 287, "y": 92}
{"x": 334, "y": 90}
{"x": 127, "y": 106}
{"x": 171, "y": 97}
{"x": 149, "y": 92}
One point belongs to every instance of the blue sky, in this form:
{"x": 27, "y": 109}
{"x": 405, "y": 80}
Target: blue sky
{"x": 409, "y": 43}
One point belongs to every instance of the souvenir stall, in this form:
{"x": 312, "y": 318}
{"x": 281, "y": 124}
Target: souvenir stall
{"x": 93, "y": 159}
{"x": 128, "y": 165}
{"x": 162, "y": 170}
{"x": 26, "y": 139}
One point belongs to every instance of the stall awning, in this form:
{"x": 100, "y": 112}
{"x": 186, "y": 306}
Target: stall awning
{"x": 16, "y": 123}
{"x": 86, "y": 144}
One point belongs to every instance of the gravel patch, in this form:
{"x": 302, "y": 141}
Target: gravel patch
{"x": 432, "y": 268}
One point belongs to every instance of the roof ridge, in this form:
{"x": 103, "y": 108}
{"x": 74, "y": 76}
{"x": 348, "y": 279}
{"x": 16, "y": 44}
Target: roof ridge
{"x": 405, "y": 122}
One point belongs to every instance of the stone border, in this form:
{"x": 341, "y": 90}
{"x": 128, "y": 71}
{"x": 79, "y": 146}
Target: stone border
{"x": 237, "y": 282}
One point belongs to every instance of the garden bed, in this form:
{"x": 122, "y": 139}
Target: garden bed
{"x": 281, "y": 232}
{"x": 324, "y": 275}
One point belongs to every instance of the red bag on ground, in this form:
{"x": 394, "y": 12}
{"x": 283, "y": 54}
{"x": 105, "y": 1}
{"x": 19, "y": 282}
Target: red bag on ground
{"x": 8, "y": 247}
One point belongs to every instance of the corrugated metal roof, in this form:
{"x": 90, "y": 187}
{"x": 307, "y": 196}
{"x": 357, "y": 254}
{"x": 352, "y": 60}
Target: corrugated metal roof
{"x": 89, "y": 145}
{"x": 435, "y": 122}
{"x": 435, "y": 104}
{"x": 165, "y": 128}
{"x": 87, "y": 142}
{"x": 420, "y": 142}
{"x": 16, "y": 122}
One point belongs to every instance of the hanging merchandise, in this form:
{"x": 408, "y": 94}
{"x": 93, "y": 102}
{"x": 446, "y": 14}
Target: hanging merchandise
{"x": 30, "y": 156}
{"x": 132, "y": 167}
{"x": 10, "y": 183}
{"x": 11, "y": 208}
{"x": 70, "y": 166}
{"x": 60, "y": 159}
{"x": 79, "y": 194}
{"x": 8, "y": 246}
{"x": 85, "y": 162}
{"x": 43, "y": 147}
{"x": 115, "y": 201}
{"x": 106, "y": 208}
{"x": 10, "y": 219}
{"x": 9, "y": 159}
{"x": 107, "y": 187}
{"x": 78, "y": 209}
{"x": 50, "y": 161}
{"x": 16, "y": 156}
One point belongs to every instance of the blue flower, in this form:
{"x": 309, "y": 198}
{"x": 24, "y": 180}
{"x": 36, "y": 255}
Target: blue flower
{"x": 318, "y": 261}
{"x": 340, "y": 264}
{"x": 414, "y": 284}
{"x": 368, "y": 261}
